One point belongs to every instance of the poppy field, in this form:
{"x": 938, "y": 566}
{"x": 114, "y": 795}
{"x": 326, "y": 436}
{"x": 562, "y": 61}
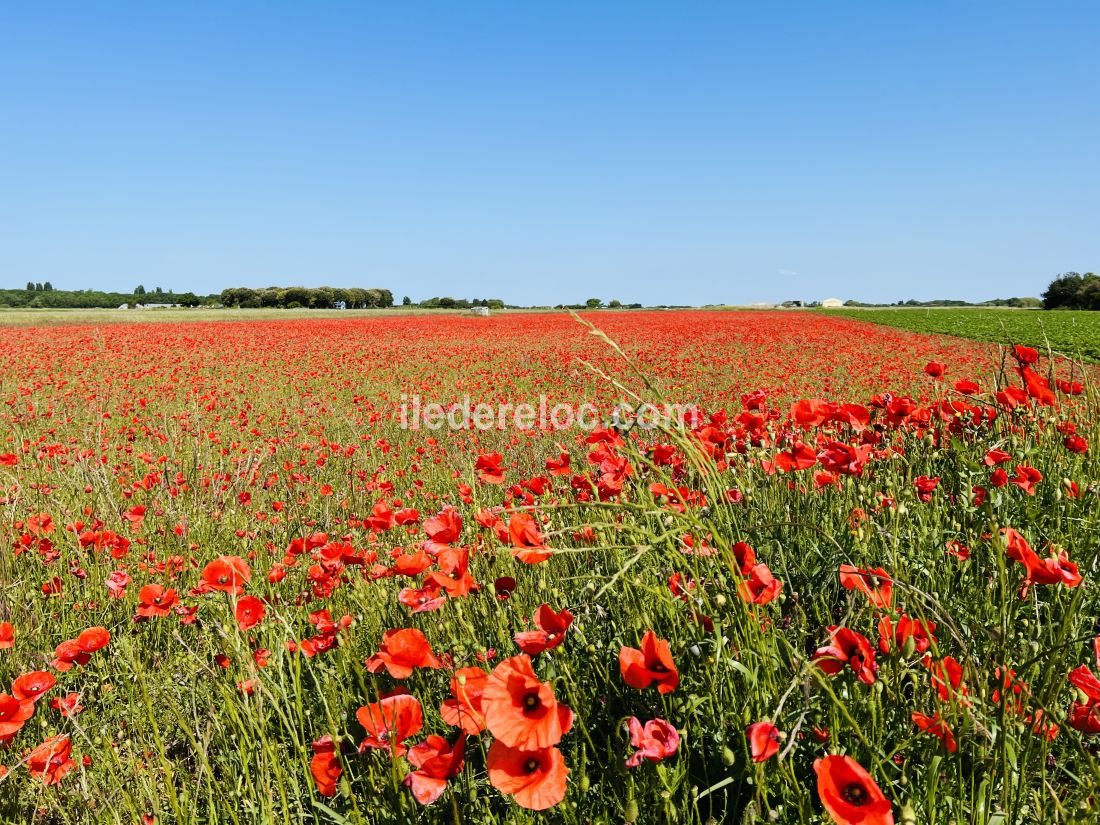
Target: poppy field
{"x": 852, "y": 580}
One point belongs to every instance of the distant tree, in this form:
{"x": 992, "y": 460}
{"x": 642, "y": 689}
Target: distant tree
{"x": 297, "y": 295}
{"x": 270, "y": 297}
{"x": 188, "y": 299}
{"x": 593, "y": 303}
{"x": 158, "y": 291}
{"x": 615, "y": 304}
{"x": 47, "y": 287}
{"x": 30, "y": 286}
{"x": 406, "y": 301}
{"x": 1088, "y": 297}
{"x": 1062, "y": 292}
{"x": 235, "y": 296}
{"x": 139, "y": 290}
{"x": 321, "y": 298}
{"x": 37, "y": 287}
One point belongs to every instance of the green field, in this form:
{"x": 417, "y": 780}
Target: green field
{"x": 1076, "y": 334}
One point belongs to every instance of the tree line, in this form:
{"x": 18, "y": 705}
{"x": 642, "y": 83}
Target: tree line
{"x": 295, "y": 297}
{"x": 44, "y": 296}
{"x": 1072, "y": 290}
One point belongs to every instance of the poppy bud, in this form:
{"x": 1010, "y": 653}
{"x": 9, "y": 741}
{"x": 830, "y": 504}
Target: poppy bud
{"x": 630, "y": 812}
{"x": 728, "y": 757}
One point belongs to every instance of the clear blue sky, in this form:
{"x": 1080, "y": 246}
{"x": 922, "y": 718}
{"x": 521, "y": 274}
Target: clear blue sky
{"x": 552, "y": 151}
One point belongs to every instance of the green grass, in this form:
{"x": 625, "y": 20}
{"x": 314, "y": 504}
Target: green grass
{"x": 1076, "y": 334}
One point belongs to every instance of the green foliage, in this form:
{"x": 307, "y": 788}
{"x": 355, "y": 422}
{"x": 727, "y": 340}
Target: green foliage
{"x": 87, "y": 299}
{"x": 294, "y": 297}
{"x": 1073, "y": 291}
{"x": 1076, "y": 334}
{"x": 462, "y": 303}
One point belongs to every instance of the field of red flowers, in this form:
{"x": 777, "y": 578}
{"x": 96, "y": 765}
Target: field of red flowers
{"x": 852, "y": 580}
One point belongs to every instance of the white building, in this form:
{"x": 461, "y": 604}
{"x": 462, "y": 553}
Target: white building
{"x": 832, "y": 303}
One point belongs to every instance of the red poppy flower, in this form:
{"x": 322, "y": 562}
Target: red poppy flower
{"x": 1025, "y": 355}
{"x": 745, "y": 557}
{"x": 453, "y": 574}
{"x": 875, "y": 584}
{"x": 443, "y": 529}
{"x": 1056, "y": 569}
{"x": 1026, "y": 478}
{"x": 389, "y": 722}
{"x": 69, "y": 706}
{"x": 249, "y": 612}
{"x": 551, "y": 631}
{"x": 905, "y": 631}
{"x": 402, "y": 652}
{"x": 527, "y": 539}
{"x": 423, "y": 600}
{"x": 93, "y": 639}
{"x": 764, "y": 739}
{"x": 14, "y": 712}
{"x": 851, "y": 649}
{"x": 536, "y": 780}
{"x": 1086, "y": 681}
{"x": 849, "y": 793}
{"x": 947, "y": 676}
{"x": 760, "y": 587}
{"x": 937, "y": 727}
{"x": 798, "y": 457}
{"x": 156, "y": 600}
{"x": 79, "y": 651}
{"x": 435, "y": 761}
{"x": 7, "y": 635}
{"x": 488, "y": 468}
{"x": 521, "y": 711}
{"x": 32, "y": 685}
{"x": 935, "y": 369}
{"x": 464, "y": 709}
{"x": 228, "y": 574}
{"x": 504, "y": 586}
{"x": 656, "y": 740}
{"x": 653, "y": 663}
{"x": 925, "y": 487}
{"x": 412, "y": 564}
{"x": 325, "y": 766}
{"x": 51, "y": 760}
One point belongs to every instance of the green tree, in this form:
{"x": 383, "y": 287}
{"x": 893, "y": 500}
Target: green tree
{"x": 297, "y": 295}
{"x": 1088, "y": 296}
{"x": 593, "y": 303}
{"x": 30, "y": 286}
{"x": 406, "y": 301}
{"x": 139, "y": 290}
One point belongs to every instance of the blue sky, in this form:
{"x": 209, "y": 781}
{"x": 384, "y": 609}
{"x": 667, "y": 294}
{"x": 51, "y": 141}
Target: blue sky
{"x": 544, "y": 152}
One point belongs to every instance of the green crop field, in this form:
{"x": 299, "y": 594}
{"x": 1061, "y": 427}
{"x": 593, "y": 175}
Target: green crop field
{"x": 1076, "y": 334}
